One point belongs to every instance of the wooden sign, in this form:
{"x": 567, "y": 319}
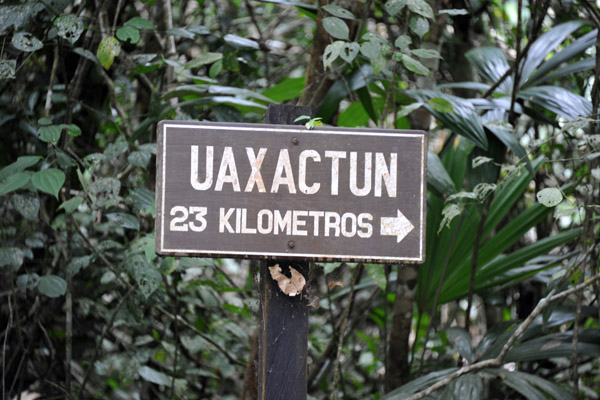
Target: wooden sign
{"x": 281, "y": 191}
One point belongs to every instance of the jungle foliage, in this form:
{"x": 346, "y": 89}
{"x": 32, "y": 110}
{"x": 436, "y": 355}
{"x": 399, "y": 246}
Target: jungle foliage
{"x": 507, "y": 303}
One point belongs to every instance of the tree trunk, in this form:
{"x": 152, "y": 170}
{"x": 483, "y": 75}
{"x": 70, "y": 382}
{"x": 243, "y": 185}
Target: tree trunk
{"x": 398, "y": 368}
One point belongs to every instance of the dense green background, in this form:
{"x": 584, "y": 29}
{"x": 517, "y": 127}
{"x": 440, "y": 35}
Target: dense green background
{"x": 509, "y": 290}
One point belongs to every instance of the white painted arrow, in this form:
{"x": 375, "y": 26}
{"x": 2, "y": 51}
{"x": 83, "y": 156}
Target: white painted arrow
{"x": 398, "y": 226}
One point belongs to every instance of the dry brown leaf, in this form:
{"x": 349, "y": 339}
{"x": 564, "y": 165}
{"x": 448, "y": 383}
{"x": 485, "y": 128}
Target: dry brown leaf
{"x": 314, "y": 302}
{"x": 333, "y": 284}
{"x": 290, "y": 286}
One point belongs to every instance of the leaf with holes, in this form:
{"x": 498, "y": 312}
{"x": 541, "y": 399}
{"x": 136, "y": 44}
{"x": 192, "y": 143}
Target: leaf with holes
{"x": 336, "y": 28}
{"x": 146, "y": 276}
{"x": 52, "y": 286}
{"x": 108, "y": 49}
{"x": 549, "y": 197}
{"x": 7, "y": 69}
{"x": 350, "y": 51}
{"x": 27, "y": 206}
{"x": 449, "y": 212}
{"x": 25, "y": 41}
{"x": 290, "y": 286}
{"x": 332, "y": 52}
{"x": 69, "y": 27}
{"x": 128, "y": 33}
{"x": 338, "y": 11}
{"x": 11, "y": 257}
{"x": 49, "y": 180}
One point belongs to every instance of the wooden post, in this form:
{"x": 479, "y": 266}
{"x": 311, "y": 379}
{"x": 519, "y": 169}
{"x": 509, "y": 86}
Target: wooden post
{"x": 283, "y": 329}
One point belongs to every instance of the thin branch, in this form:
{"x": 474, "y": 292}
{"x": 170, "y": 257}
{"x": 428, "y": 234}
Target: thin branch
{"x": 474, "y": 262}
{"x": 202, "y": 335}
{"x": 342, "y": 331}
{"x": 107, "y": 327}
{"x": 517, "y": 77}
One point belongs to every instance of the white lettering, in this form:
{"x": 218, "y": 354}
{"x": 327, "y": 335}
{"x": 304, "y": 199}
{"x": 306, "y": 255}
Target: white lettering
{"x": 194, "y": 169}
{"x": 255, "y": 163}
{"x": 304, "y": 188}
{"x": 297, "y": 223}
{"x": 245, "y": 229}
{"x": 260, "y": 224}
{"x": 224, "y": 220}
{"x": 283, "y": 164}
{"x": 282, "y": 223}
{"x": 335, "y": 169}
{"x": 332, "y": 221}
{"x": 316, "y": 215}
{"x": 366, "y": 189}
{"x": 385, "y": 175}
{"x": 228, "y": 163}
{"x": 365, "y": 225}
{"x": 348, "y": 217}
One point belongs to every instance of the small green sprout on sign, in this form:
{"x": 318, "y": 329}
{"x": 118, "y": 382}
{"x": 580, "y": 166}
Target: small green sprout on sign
{"x": 312, "y": 122}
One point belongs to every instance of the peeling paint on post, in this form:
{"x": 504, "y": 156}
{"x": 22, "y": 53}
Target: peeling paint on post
{"x": 283, "y": 329}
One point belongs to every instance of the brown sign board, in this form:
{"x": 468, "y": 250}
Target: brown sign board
{"x": 284, "y": 191}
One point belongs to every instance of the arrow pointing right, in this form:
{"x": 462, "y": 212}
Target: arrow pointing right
{"x": 398, "y": 226}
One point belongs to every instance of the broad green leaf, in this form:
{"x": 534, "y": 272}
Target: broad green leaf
{"x": 419, "y": 25}
{"x": 139, "y": 159}
{"x": 466, "y": 387}
{"x": 52, "y": 285}
{"x": 140, "y": 23}
{"x": 203, "y": 59}
{"x": 69, "y": 27}
{"x": 359, "y": 78}
{"x": 215, "y": 69}
{"x": 491, "y": 64}
{"x": 44, "y": 121}
{"x": 108, "y": 49}
{"x": 415, "y": 66}
{"x": 7, "y": 69}
{"x": 288, "y": 89}
{"x": 146, "y": 275}
{"x": 11, "y": 257}
{"x": 22, "y": 163}
{"x": 547, "y": 42}
{"x": 28, "y": 206}
{"x": 420, "y": 7}
{"x": 350, "y": 51}
{"x": 440, "y": 104}
{"x": 154, "y": 376}
{"x": 438, "y": 179}
{"x": 402, "y": 42}
{"x": 558, "y": 100}
{"x": 393, "y": 7}
{"x": 14, "y": 181}
{"x": 78, "y": 263}
{"x": 71, "y": 205}
{"x": 50, "y": 134}
{"x": 406, "y": 110}
{"x": 142, "y": 200}
{"x": 370, "y": 50}
{"x": 461, "y": 341}
{"x": 124, "y": 220}
{"x": 71, "y": 129}
{"x": 418, "y": 384}
{"x": 549, "y": 197}
{"x": 354, "y": 115}
{"x": 85, "y": 53}
{"x": 426, "y": 53}
{"x": 49, "y": 180}
{"x": 338, "y": 11}
{"x": 377, "y": 273}
{"x": 336, "y": 28}
{"x": 25, "y": 41}
{"x": 128, "y": 33}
